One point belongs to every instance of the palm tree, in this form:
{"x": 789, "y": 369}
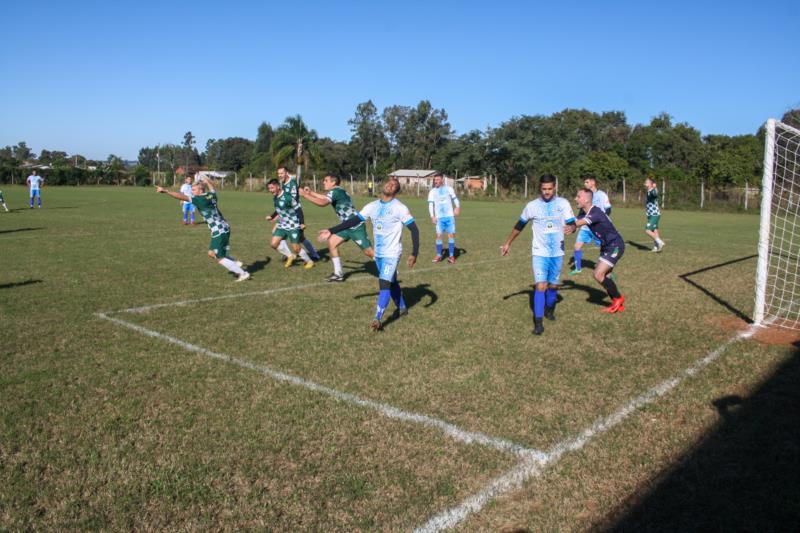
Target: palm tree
{"x": 293, "y": 139}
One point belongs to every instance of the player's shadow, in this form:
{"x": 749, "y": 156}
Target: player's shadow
{"x": 20, "y": 283}
{"x": 724, "y": 303}
{"x": 367, "y": 267}
{"x": 19, "y": 229}
{"x": 529, "y": 293}
{"x": 324, "y": 254}
{"x": 594, "y": 295}
{"x": 638, "y": 246}
{"x": 255, "y": 266}
{"x": 412, "y": 296}
{"x": 458, "y": 252}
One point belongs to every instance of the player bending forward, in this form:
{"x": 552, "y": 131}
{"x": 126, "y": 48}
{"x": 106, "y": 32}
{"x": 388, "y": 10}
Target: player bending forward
{"x": 204, "y": 198}
{"x": 611, "y": 247}
{"x": 552, "y": 217}
{"x": 342, "y": 204}
{"x": 441, "y": 200}
{"x": 600, "y": 199}
{"x": 289, "y": 226}
{"x": 388, "y": 216}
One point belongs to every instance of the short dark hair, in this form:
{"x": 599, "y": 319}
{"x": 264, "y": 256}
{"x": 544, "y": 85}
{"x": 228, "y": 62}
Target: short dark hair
{"x": 273, "y": 181}
{"x": 335, "y": 178}
{"x": 280, "y": 167}
{"x": 547, "y": 178}
{"x": 586, "y": 189}
{"x": 590, "y": 177}
{"x": 438, "y": 175}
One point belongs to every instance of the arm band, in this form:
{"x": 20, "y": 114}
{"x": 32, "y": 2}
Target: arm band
{"x": 351, "y": 222}
{"x": 414, "y": 238}
{"x": 520, "y": 225}
{"x": 273, "y": 215}
{"x": 300, "y": 215}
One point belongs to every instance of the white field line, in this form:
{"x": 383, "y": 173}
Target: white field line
{"x": 533, "y": 467}
{"x": 451, "y": 430}
{"x": 145, "y": 308}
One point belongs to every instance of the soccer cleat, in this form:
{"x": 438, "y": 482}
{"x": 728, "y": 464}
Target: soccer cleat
{"x": 243, "y": 276}
{"x": 289, "y": 261}
{"x": 451, "y": 260}
{"x": 538, "y": 327}
{"x": 575, "y": 271}
{"x": 655, "y": 249}
{"x": 335, "y": 278}
{"x": 437, "y": 259}
{"x": 617, "y": 305}
{"x": 550, "y": 313}
{"x": 309, "y": 265}
{"x": 375, "y": 325}
{"x": 661, "y": 246}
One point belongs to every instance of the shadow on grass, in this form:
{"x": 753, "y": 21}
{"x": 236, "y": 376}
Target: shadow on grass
{"x": 595, "y": 295}
{"x": 255, "y": 266}
{"x": 367, "y": 267}
{"x": 638, "y": 246}
{"x": 529, "y": 293}
{"x": 715, "y": 297}
{"x": 412, "y": 297}
{"x": 18, "y": 230}
{"x": 20, "y": 283}
{"x": 742, "y": 476}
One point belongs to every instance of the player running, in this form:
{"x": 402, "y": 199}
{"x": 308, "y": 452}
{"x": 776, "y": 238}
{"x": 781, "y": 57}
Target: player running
{"x": 3, "y": 201}
{"x": 342, "y": 204}
{"x": 388, "y": 216}
{"x": 35, "y": 182}
{"x": 653, "y": 214}
{"x": 289, "y": 184}
{"x": 552, "y": 217}
{"x": 289, "y": 227}
{"x": 611, "y": 246}
{"x": 441, "y": 200}
{"x": 600, "y": 199}
{"x": 187, "y": 207}
{"x": 204, "y": 197}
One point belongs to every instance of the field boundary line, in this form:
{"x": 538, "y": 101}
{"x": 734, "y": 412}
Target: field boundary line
{"x": 389, "y": 411}
{"x": 267, "y": 292}
{"x": 532, "y": 468}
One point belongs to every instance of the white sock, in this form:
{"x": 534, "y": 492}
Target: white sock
{"x": 231, "y": 265}
{"x": 284, "y": 249}
{"x": 659, "y": 242}
{"x": 337, "y": 265}
{"x": 304, "y": 255}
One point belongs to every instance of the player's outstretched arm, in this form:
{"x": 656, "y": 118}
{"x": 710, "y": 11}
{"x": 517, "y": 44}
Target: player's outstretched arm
{"x": 314, "y": 197}
{"x": 176, "y": 195}
{"x": 351, "y": 222}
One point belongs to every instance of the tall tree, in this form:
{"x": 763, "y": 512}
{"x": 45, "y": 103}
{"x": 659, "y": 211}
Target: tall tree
{"x": 295, "y": 142}
{"x": 368, "y": 137}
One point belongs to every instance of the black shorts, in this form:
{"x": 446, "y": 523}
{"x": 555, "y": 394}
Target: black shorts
{"x": 611, "y": 253}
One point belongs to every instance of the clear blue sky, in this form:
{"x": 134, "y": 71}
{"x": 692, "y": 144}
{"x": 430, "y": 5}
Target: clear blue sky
{"x": 110, "y": 77}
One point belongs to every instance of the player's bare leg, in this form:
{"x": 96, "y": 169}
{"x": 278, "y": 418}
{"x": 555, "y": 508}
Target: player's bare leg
{"x": 333, "y": 249}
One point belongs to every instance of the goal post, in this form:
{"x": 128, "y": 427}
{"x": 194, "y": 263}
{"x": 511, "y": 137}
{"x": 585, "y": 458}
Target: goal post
{"x": 777, "y": 299}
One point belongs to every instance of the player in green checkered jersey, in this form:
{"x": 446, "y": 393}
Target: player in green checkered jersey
{"x": 204, "y": 198}
{"x": 342, "y": 204}
{"x": 289, "y": 227}
{"x": 653, "y": 214}
{"x": 290, "y": 185}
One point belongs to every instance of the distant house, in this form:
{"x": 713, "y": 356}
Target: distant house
{"x": 407, "y": 177}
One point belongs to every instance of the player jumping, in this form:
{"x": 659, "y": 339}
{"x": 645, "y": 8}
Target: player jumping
{"x": 441, "y": 200}
{"x": 653, "y": 214}
{"x": 611, "y": 248}
{"x": 204, "y": 197}
{"x": 600, "y": 199}
{"x": 388, "y": 216}
{"x": 552, "y": 217}
{"x": 342, "y": 204}
{"x": 289, "y": 227}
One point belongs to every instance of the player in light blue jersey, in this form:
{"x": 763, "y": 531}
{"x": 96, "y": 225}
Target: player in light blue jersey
{"x": 3, "y": 201}
{"x": 187, "y": 207}
{"x": 35, "y": 183}
{"x": 443, "y": 207}
{"x": 552, "y": 217}
{"x": 599, "y": 199}
{"x": 388, "y": 216}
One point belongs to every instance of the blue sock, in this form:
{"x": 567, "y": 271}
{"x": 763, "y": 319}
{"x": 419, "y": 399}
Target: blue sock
{"x": 451, "y": 246}
{"x": 31, "y": 202}
{"x": 538, "y": 304}
{"x": 550, "y": 297}
{"x": 578, "y": 258}
{"x": 397, "y": 295}
{"x": 383, "y": 303}
{"x": 438, "y": 247}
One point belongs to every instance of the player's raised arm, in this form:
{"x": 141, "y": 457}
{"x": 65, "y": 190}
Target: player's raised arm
{"x": 209, "y": 184}
{"x": 176, "y": 195}
{"x": 314, "y": 197}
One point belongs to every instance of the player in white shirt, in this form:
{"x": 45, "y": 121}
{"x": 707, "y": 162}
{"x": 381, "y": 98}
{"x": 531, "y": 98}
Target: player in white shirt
{"x": 552, "y": 217}
{"x": 3, "y": 201}
{"x": 35, "y": 183}
{"x": 599, "y": 199}
{"x": 388, "y": 216}
{"x": 188, "y": 207}
{"x": 441, "y": 202}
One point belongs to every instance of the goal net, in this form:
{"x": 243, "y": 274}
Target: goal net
{"x": 778, "y": 272}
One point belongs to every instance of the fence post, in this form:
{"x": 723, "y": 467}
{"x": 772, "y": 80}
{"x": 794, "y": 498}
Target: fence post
{"x": 663, "y": 192}
{"x": 624, "y": 192}
{"x": 315, "y": 181}
{"x": 702, "y": 193}
{"x": 495, "y": 185}
{"x": 351, "y": 185}
{"x": 235, "y": 180}
{"x": 526, "y": 186}
{"x": 746, "y": 194}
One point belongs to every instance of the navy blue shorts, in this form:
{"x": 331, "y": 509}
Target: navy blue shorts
{"x": 611, "y": 253}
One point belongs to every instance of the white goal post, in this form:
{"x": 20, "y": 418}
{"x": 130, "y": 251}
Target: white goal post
{"x": 778, "y": 271}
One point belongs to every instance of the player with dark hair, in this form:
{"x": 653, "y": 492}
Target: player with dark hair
{"x": 600, "y": 199}
{"x": 653, "y": 214}
{"x": 290, "y": 185}
{"x": 443, "y": 207}
{"x": 289, "y": 227}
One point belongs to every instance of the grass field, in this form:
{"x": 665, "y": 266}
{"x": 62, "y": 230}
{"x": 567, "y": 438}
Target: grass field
{"x": 271, "y": 405}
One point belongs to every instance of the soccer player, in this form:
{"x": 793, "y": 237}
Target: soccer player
{"x": 204, "y": 197}
{"x": 35, "y": 183}
{"x": 338, "y": 198}
{"x": 611, "y": 246}
{"x": 552, "y": 217}
{"x": 3, "y": 201}
{"x": 188, "y": 207}
{"x": 653, "y": 214}
{"x": 289, "y": 184}
{"x": 388, "y": 216}
{"x": 600, "y": 199}
{"x": 441, "y": 200}
{"x": 289, "y": 227}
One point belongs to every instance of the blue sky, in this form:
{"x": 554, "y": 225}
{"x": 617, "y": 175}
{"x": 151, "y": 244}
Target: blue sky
{"x": 102, "y": 77}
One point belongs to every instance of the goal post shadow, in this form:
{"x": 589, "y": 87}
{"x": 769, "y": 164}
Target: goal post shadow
{"x": 721, "y": 301}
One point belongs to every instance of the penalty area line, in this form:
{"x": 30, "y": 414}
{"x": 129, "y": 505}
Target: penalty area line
{"x": 389, "y": 411}
{"x": 531, "y": 468}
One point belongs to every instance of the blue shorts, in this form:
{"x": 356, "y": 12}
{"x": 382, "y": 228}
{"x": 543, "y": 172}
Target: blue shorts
{"x": 35, "y": 193}
{"x": 387, "y": 267}
{"x": 585, "y": 235}
{"x": 547, "y": 269}
{"x": 446, "y": 225}
{"x": 612, "y": 253}
{"x": 188, "y": 207}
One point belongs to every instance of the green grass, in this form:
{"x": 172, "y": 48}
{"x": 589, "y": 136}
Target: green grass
{"x": 104, "y": 428}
